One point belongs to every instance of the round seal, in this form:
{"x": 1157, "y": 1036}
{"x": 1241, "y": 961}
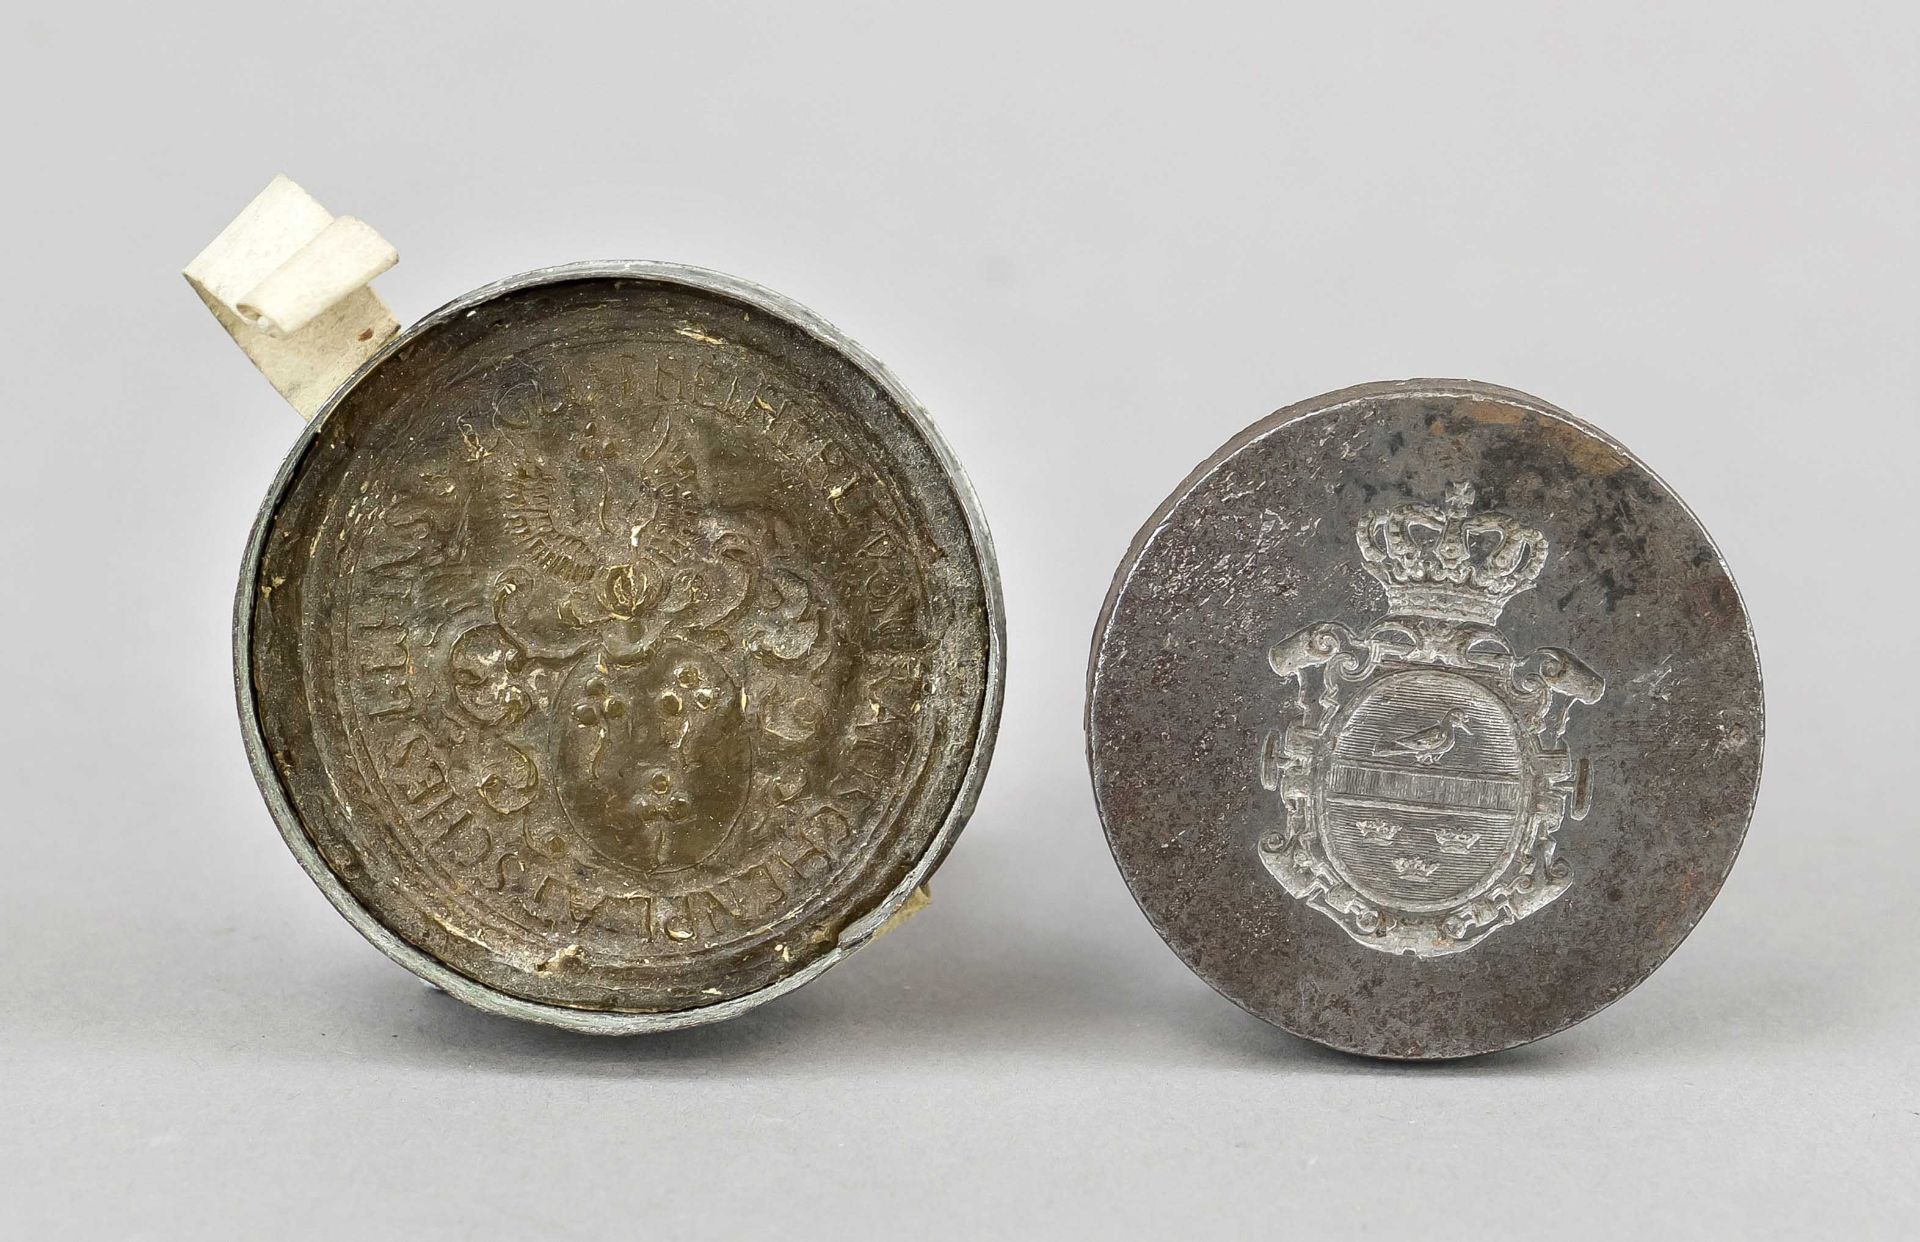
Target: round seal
{"x": 1424, "y": 720}
{"x": 620, "y": 648}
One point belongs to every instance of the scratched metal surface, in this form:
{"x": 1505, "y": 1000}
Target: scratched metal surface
{"x": 1424, "y": 720}
{"x": 621, "y": 648}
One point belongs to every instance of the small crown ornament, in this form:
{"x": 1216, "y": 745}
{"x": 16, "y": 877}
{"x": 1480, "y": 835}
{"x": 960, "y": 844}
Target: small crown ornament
{"x": 1449, "y": 562}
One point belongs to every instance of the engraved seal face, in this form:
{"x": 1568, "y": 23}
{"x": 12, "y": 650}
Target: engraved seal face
{"x": 1420, "y": 764}
{"x": 1424, "y": 720}
{"x": 621, "y": 648}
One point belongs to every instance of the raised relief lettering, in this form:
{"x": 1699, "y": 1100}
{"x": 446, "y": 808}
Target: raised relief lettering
{"x": 631, "y": 663}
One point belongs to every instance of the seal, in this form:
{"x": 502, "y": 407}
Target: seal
{"x": 1424, "y": 720}
{"x": 620, "y": 647}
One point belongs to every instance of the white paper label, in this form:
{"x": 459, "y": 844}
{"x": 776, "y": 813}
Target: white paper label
{"x": 289, "y": 282}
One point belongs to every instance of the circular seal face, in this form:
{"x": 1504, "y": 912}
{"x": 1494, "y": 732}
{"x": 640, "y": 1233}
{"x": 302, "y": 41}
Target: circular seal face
{"x": 1424, "y": 720}
{"x": 620, "y": 648}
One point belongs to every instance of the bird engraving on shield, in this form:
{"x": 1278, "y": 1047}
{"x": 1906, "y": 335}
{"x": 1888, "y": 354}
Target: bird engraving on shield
{"x": 1422, "y": 765}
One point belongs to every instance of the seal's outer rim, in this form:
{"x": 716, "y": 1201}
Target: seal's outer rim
{"x": 857, "y": 933}
{"x": 1328, "y": 403}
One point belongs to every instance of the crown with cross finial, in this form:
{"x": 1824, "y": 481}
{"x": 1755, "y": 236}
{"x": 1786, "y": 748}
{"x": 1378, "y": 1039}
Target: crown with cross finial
{"x": 1448, "y": 561}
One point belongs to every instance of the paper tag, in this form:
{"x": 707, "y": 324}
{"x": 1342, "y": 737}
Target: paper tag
{"x": 918, "y": 900}
{"x": 288, "y": 281}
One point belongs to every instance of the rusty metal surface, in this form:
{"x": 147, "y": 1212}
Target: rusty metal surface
{"x": 1424, "y": 720}
{"x": 621, "y": 648}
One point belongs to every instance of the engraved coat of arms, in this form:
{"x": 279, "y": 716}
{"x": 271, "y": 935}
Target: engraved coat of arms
{"x": 1421, "y": 765}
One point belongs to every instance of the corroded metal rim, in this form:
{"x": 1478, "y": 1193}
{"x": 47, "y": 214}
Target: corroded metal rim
{"x": 857, "y": 933}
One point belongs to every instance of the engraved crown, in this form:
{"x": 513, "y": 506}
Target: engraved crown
{"x": 1448, "y": 561}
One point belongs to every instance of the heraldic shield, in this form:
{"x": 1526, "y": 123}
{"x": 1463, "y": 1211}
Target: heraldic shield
{"x": 1421, "y": 765}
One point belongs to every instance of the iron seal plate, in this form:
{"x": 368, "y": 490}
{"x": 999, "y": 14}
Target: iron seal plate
{"x": 620, "y": 648}
{"x": 1424, "y": 720}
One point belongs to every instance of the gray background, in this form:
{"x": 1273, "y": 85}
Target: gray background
{"x": 1096, "y": 242}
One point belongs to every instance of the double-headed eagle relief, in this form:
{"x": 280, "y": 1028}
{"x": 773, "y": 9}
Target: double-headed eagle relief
{"x": 623, "y": 648}
{"x": 1422, "y": 766}
{"x": 631, "y": 648}
{"x": 651, "y": 659}
{"x": 700, "y": 656}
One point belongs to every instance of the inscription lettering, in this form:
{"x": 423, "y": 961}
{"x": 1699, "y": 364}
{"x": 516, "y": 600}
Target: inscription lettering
{"x": 625, "y": 698}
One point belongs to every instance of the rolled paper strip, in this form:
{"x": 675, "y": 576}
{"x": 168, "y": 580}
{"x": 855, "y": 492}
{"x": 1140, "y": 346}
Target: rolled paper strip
{"x": 288, "y": 281}
{"x": 337, "y": 263}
